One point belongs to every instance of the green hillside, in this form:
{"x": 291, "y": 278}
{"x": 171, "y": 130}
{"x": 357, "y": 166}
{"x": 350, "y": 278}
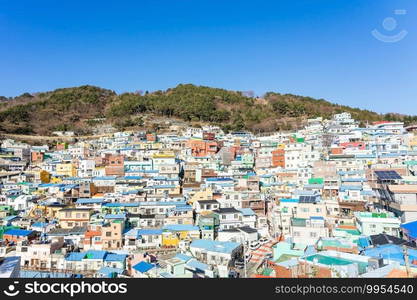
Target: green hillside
{"x": 73, "y": 109}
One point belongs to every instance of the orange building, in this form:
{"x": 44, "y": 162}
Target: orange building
{"x": 114, "y": 165}
{"x": 61, "y": 146}
{"x": 92, "y": 239}
{"x": 336, "y": 150}
{"x": 151, "y": 137}
{"x": 300, "y": 270}
{"x": 278, "y": 158}
{"x": 37, "y": 156}
{"x": 201, "y": 148}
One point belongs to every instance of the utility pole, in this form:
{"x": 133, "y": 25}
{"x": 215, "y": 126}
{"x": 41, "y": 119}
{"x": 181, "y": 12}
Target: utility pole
{"x": 406, "y": 261}
{"x": 244, "y": 259}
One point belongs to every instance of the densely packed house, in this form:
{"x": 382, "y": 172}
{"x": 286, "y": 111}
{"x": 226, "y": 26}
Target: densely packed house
{"x": 330, "y": 200}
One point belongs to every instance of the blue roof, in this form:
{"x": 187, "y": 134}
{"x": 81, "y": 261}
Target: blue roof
{"x": 132, "y": 233}
{"x": 196, "y": 265}
{"x": 364, "y": 242}
{"x": 410, "y": 228}
{"x": 350, "y": 187}
{"x": 289, "y": 200}
{"x": 40, "y": 224}
{"x": 130, "y": 177}
{"x": 215, "y": 246}
{"x": 89, "y": 201}
{"x": 219, "y": 179}
{"x": 75, "y": 256}
{"x": 8, "y": 265}
{"x": 50, "y": 185}
{"x": 105, "y": 178}
{"x": 352, "y": 172}
{"x": 149, "y": 231}
{"x": 130, "y": 192}
{"x": 183, "y": 257}
{"x": 46, "y": 274}
{"x": 68, "y": 186}
{"x": 162, "y": 186}
{"x": 180, "y": 227}
{"x": 183, "y": 208}
{"x": 95, "y": 254}
{"x": 109, "y": 271}
{"x": 391, "y": 252}
{"x": 314, "y": 186}
{"x": 116, "y": 204}
{"x": 354, "y": 179}
{"x": 247, "y": 211}
{"x": 162, "y": 203}
{"x": 143, "y": 267}
{"x": 9, "y": 218}
{"x": 115, "y": 257}
{"x": 18, "y": 232}
{"x": 115, "y": 216}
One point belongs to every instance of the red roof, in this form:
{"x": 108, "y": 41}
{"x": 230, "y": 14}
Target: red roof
{"x": 382, "y": 122}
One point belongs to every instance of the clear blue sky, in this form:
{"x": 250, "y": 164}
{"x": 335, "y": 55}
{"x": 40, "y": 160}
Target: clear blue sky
{"x": 318, "y": 48}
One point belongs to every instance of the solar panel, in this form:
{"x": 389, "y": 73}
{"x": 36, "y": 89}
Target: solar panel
{"x": 387, "y": 175}
{"x": 307, "y": 199}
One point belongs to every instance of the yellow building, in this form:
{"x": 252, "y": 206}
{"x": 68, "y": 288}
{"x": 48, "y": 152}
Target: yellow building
{"x": 413, "y": 142}
{"x": 55, "y": 179}
{"x": 166, "y": 154}
{"x": 66, "y": 169}
{"x": 171, "y": 190}
{"x": 173, "y": 234}
{"x": 45, "y": 211}
{"x": 74, "y": 217}
{"x": 170, "y": 239}
{"x": 44, "y": 176}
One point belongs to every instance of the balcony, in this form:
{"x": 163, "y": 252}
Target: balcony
{"x": 403, "y": 207}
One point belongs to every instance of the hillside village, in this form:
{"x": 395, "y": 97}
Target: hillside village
{"x": 333, "y": 199}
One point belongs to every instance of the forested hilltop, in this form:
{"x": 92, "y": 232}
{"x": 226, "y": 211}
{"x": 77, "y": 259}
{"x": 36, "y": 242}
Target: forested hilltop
{"x": 78, "y": 108}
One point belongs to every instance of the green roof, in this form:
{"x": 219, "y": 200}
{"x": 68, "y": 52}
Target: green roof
{"x": 267, "y": 272}
{"x": 316, "y": 180}
{"x": 350, "y": 231}
{"x": 334, "y": 243}
{"x": 285, "y": 257}
{"x": 336, "y": 261}
{"x": 298, "y": 222}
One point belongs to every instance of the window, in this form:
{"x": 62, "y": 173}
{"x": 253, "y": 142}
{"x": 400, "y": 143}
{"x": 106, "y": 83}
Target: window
{"x": 108, "y": 233}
